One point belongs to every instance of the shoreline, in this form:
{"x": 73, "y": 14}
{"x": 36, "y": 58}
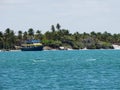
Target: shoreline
{"x": 58, "y": 50}
{"x": 116, "y": 47}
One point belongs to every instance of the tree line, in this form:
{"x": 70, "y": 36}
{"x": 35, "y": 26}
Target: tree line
{"x": 57, "y": 37}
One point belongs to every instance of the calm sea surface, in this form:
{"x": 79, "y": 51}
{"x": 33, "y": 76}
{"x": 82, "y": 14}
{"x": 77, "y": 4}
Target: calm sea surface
{"x": 60, "y": 70}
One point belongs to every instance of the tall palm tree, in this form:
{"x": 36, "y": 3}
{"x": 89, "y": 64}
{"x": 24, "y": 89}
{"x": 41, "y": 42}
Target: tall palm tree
{"x": 58, "y": 26}
{"x": 20, "y": 35}
{"x": 38, "y": 35}
{"x": 31, "y": 33}
{"x": 9, "y": 38}
{"x": 25, "y": 35}
{"x": 1, "y": 40}
{"x": 53, "y": 28}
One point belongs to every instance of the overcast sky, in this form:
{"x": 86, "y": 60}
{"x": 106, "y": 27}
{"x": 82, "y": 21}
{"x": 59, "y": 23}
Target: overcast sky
{"x": 75, "y": 15}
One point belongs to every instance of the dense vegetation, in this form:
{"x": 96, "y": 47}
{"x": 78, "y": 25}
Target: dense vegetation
{"x": 57, "y": 37}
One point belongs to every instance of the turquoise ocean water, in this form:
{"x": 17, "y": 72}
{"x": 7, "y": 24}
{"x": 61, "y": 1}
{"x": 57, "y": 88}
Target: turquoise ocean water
{"x": 60, "y": 70}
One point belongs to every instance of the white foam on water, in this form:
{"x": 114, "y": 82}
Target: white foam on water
{"x": 91, "y": 60}
{"x": 53, "y": 76}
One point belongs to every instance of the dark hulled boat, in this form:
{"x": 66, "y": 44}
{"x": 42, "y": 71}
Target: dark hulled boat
{"x": 32, "y": 45}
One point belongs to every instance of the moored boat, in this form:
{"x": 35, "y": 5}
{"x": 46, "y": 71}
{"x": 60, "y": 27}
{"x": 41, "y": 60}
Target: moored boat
{"x": 32, "y": 45}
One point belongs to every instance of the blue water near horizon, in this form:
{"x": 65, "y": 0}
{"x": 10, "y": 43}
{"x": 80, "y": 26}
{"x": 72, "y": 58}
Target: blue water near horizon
{"x": 60, "y": 70}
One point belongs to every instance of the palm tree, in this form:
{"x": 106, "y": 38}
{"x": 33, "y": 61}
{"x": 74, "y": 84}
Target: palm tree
{"x": 31, "y": 33}
{"x": 9, "y": 39}
{"x": 58, "y": 26}
{"x": 1, "y": 40}
{"x": 19, "y": 38}
{"x": 53, "y": 28}
{"x": 25, "y": 36}
{"x": 38, "y": 35}
{"x": 20, "y": 35}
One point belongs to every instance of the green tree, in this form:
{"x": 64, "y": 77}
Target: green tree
{"x": 58, "y": 26}
{"x": 53, "y": 28}
{"x": 31, "y": 33}
{"x": 1, "y": 40}
{"x": 25, "y": 36}
{"x": 9, "y": 39}
{"x": 38, "y": 35}
{"x": 20, "y": 35}
{"x": 76, "y": 36}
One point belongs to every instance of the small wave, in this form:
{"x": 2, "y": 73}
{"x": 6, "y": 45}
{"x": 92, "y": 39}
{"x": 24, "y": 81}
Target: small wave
{"x": 53, "y": 76}
{"x": 91, "y": 59}
{"x": 36, "y": 60}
